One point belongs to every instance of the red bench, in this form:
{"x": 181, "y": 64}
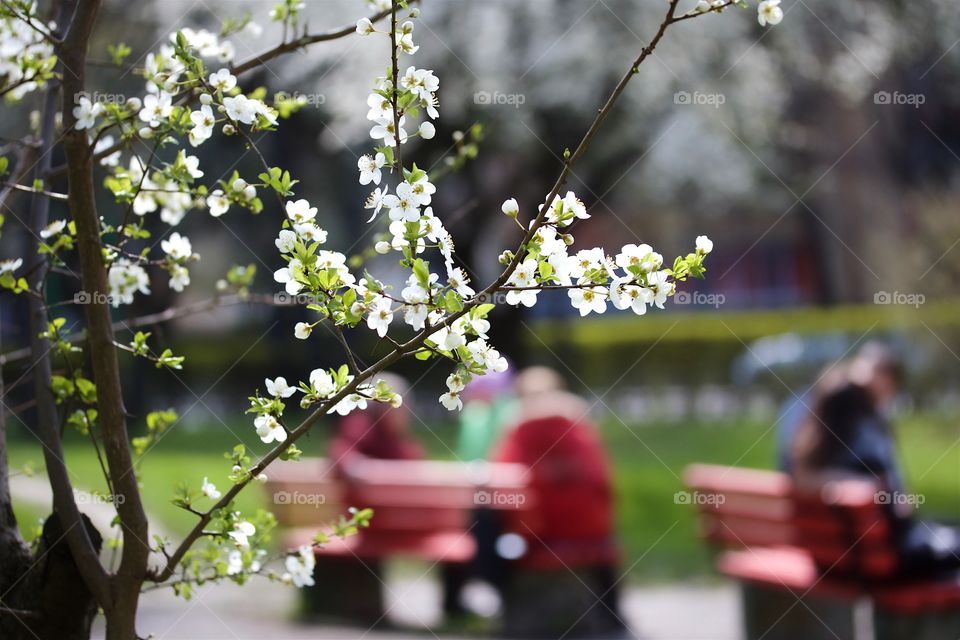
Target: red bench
{"x": 806, "y": 558}
{"x": 422, "y": 509}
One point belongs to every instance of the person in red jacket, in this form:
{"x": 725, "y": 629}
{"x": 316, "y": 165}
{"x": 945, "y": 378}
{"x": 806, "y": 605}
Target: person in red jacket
{"x": 572, "y": 524}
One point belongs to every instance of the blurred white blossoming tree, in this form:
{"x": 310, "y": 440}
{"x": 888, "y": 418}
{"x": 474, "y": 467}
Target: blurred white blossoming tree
{"x": 140, "y": 150}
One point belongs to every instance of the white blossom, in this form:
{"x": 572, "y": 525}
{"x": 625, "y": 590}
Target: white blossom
{"x": 300, "y": 566}
{"x": 451, "y": 401}
{"x": 209, "y": 490}
{"x": 218, "y": 203}
{"x": 86, "y": 112}
{"x": 300, "y": 211}
{"x": 769, "y": 12}
{"x": 286, "y": 241}
{"x": 203, "y": 123}
{"x": 380, "y": 316}
{"x": 302, "y": 330}
{"x": 322, "y": 382}
{"x": 704, "y": 244}
{"x": 278, "y": 387}
{"x": 111, "y": 159}
{"x": 242, "y": 530}
{"x": 10, "y": 265}
{"x": 179, "y": 277}
{"x": 661, "y": 286}
{"x": 177, "y": 247}
{"x": 624, "y": 295}
{"x": 523, "y": 276}
{"x": 375, "y": 201}
{"x": 427, "y": 130}
{"x": 269, "y": 429}
{"x": 386, "y": 130}
{"x": 125, "y": 279}
{"x": 364, "y": 27}
{"x": 588, "y": 299}
{"x": 53, "y": 229}
{"x": 222, "y": 80}
{"x": 370, "y": 168}
{"x": 156, "y": 107}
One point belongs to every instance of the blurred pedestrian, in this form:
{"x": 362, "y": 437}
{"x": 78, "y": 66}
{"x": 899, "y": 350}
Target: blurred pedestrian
{"x": 572, "y": 522}
{"x": 877, "y": 369}
{"x": 848, "y": 434}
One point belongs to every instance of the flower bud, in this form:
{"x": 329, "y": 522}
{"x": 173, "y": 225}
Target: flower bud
{"x": 415, "y": 12}
{"x": 364, "y": 26}
{"x": 567, "y": 239}
{"x": 382, "y": 247}
{"x": 704, "y": 245}
{"x": 427, "y": 130}
{"x": 407, "y": 27}
{"x": 134, "y": 104}
{"x": 206, "y": 98}
{"x": 510, "y": 208}
{"x": 239, "y": 184}
{"x": 228, "y": 129}
{"x": 146, "y": 133}
{"x": 506, "y": 257}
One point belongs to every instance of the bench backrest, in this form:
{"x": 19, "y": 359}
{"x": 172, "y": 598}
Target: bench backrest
{"x": 407, "y": 496}
{"x": 843, "y": 525}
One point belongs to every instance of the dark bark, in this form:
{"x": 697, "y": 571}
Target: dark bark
{"x": 120, "y": 603}
{"x": 65, "y": 606}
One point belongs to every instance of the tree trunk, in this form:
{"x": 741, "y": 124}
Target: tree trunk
{"x": 122, "y": 594}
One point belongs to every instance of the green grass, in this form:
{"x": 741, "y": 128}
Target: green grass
{"x": 658, "y": 534}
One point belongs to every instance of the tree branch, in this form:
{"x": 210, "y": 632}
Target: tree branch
{"x": 81, "y": 547}
{"x": 303, "y": 41}
{"x": 417, "y": 342}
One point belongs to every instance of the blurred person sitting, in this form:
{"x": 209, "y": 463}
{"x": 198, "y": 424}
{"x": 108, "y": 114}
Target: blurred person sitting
{"x": 488, "y": 405}
{"x": 847, "y": 435}
{"x": 570, "y": 478}
{"x": 380, "y": 431}
{"x": 879, "y": 371}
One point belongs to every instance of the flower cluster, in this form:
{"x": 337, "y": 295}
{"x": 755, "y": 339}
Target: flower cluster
{"x": 26, "y": 55}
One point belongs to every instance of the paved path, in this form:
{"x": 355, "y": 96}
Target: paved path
{"x": 264, "y": 611}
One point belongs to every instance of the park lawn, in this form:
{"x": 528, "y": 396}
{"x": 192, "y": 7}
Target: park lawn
{"x": 658, "y": 534}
